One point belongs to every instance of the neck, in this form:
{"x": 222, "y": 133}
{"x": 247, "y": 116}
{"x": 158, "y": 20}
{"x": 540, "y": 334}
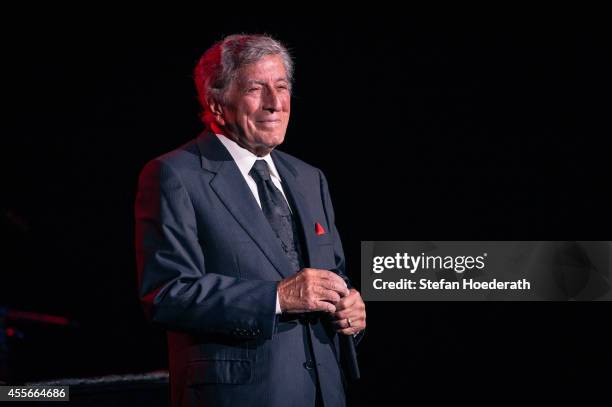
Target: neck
{"x": 259, "y": 150}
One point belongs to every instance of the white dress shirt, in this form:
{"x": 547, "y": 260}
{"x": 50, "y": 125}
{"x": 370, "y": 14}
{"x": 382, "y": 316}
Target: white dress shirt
{"x": 245, "y": 159}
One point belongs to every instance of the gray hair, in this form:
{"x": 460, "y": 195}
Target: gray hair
{"x": 219, "y": 65}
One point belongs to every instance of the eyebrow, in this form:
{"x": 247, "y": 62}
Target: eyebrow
{"x": 253, "y": 81}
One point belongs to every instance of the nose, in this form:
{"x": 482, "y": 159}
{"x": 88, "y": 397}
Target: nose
{"x": 272, "y": 101}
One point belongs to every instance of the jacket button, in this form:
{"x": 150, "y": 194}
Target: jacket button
{"x": 309, "y": 364}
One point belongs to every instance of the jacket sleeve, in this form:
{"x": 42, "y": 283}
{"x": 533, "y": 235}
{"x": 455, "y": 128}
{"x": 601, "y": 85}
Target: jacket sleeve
{"x": 176, "y": 289}
{"x": 338, "y": 250}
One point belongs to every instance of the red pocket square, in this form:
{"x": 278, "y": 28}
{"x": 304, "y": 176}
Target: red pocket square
{"x": 319, "y": 229}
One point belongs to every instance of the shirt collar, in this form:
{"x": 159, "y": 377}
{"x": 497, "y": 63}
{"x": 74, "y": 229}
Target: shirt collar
{"x": 245, "y": 159}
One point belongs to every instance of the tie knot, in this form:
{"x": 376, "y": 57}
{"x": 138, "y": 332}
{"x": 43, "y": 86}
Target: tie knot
{"x": 260, "y": 171}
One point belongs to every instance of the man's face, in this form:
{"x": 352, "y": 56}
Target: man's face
{"x": 257, "y": 106}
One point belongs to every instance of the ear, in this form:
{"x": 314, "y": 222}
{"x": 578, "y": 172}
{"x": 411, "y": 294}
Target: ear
{"x": 217, "y": 110}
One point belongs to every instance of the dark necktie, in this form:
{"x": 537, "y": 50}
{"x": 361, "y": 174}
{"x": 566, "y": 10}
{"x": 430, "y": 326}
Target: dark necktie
{"x": 276, "y": 210}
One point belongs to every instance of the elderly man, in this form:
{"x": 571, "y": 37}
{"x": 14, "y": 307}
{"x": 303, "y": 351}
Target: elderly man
{"x": 238, "y": 255}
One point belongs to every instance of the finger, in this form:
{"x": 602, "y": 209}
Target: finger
{"x": 349, "y": 331}
{"x": 334, "y": 285}
{"x": 346, "y": 303}
{"x": 354, "y": 300}
{"x": 355, "y": 314}
{"x": 330, "y": 275}
{"x": 346, "y": 313}
{"x": 356, "y": 325}
{"x": 343, "y": 324}
{"x": 340, "y": 324}
{"x": 327, "y": 295}
{"x": 329, "y": 280}
{"x": 324, "y": 306}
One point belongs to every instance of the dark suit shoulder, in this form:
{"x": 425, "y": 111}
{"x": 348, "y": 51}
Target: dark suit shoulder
{"x": 186, "y": 155}
{"x": 181, "y": 159}
{"x": 300, "y": 166}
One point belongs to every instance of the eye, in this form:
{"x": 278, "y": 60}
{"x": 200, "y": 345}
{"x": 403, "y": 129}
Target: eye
{"x": 254, "y": 89}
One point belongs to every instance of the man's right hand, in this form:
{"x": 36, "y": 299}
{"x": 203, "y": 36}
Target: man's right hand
{"x": 311, "y": 290}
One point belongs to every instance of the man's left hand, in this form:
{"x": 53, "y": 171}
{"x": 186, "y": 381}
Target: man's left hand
{"x": 350, "y": 307}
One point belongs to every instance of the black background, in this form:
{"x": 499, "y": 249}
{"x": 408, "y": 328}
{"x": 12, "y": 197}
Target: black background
{"x": 424, "y": 134}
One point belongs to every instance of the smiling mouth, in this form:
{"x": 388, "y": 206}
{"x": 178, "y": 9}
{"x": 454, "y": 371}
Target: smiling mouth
{"x": 269, "y": 124}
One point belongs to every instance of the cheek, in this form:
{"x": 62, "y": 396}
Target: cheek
{"x": 250, "y": 116}
{"x": 244, "y": 112}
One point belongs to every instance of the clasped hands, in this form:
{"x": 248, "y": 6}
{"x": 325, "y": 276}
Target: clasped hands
{"x": 313, "y": 290}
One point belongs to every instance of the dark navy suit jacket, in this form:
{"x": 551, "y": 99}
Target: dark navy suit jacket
{"x": 208, "y": 268}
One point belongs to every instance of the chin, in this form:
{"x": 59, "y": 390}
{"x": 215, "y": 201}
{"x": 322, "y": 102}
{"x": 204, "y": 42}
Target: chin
{"x": 273, "y": 141}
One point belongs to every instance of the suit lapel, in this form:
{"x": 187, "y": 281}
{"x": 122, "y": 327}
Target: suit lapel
{"x": 297, "y": 198}
{"x": 234, "y": 193}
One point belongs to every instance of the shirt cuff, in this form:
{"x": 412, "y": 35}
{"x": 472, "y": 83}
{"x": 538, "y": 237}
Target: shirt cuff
{"x": 278, "y": 308}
